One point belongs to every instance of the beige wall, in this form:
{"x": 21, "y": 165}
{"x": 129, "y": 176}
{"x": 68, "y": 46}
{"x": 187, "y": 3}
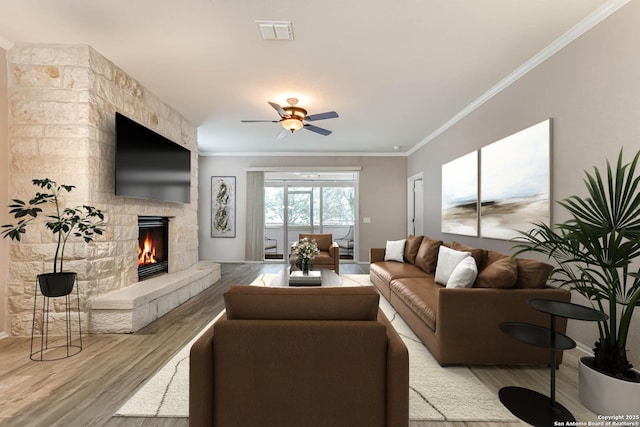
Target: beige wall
{"x": 382, "y": 197}
{"x": 4, "y": 183}
{"x": 591, "y": 90}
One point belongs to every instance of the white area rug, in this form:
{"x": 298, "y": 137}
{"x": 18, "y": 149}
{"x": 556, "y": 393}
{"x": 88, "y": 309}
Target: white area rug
{"x": 436, "y": 393}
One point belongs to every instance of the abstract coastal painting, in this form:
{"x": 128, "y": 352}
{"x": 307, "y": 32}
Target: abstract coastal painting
{"x": 460, "y": 195}
{"x": 515, "y": 182}
{"x": 223, "y": 206}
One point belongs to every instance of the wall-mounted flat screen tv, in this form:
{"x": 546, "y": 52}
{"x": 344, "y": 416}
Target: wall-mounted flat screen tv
{"x": 150, "y": 166}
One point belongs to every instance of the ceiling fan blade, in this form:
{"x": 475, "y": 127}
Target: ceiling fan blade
{"x": 283, "y": 133}
{"x": 259, "y": 121}
{"x": 316, "y": 129}
{"x": 278, "y": 109}
{"x": 322, "y": 116}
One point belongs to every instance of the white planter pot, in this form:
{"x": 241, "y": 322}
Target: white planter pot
{"x": 606, "y": 395}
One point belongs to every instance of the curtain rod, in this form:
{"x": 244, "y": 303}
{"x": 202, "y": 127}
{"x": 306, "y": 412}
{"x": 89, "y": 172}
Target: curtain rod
{"x": 304, "y": 169}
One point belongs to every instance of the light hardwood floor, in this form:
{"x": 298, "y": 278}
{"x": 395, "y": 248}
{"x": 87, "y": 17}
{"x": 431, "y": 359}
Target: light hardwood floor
{"x": 86, "y": 389}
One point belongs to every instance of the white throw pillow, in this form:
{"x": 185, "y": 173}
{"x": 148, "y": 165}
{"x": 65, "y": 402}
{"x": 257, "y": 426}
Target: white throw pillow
{"x": 464, "y": 274}
{"x": 395, "y": 250}
{"x": 448, "y": 260}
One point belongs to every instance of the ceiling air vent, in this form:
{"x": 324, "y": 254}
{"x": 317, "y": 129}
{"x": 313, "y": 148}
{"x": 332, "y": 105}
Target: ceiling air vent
{"x": 275, "y": 30}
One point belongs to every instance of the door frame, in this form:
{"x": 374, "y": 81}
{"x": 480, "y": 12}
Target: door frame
{"x": 411, "y": 201}
{"x": 287, "y": 184}
{"x": 286, "y": 225}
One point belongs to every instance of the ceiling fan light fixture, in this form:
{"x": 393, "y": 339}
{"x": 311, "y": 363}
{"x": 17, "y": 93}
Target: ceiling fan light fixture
{"x": 292, "y": 124}
{"x": 293, "y": 118}
{"x": 295, "y": 112}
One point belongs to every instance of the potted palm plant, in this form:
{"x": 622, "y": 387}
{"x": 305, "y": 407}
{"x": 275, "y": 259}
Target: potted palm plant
{"x": 594, "y": 252}
{"x": 83, "y": 221}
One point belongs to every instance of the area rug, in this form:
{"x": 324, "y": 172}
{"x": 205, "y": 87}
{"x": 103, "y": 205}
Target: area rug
{"x": 436, "y": 393}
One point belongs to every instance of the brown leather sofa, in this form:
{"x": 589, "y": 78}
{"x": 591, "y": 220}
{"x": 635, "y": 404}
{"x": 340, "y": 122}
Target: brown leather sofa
{"x": 329, "y": 256}
{"x": 291, "y": 357}
{"x": 461, "y": 325}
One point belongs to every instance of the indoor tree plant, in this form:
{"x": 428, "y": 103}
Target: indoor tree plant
{"x": 594, "y": 252}
{"x": 82, "y": 221}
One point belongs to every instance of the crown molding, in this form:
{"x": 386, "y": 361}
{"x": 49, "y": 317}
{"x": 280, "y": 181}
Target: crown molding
{"x": 304, "y": 169}
{"x": 576, "y": 31}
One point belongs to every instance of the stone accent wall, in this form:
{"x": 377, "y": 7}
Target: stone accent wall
{"x": 62, "y": 104}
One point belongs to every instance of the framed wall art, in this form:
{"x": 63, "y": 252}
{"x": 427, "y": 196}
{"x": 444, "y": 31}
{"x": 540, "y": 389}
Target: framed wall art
{"x": 460, "y": 195}
{"x": 515, "y": 182}
{"x": 223, "y": 206}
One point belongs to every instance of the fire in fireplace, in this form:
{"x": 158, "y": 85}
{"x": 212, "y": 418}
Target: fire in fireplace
{"x": 153, "y": 246}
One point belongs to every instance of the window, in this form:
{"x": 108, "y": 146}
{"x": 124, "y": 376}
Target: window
{"x": 310, "y": 203}
{"x": 338, "y": 205}
{"x": 273, "y": 206}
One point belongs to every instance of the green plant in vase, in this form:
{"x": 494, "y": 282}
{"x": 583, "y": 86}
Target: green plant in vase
{"x": 82, "y": 221}
{"x": 596, "y": 253}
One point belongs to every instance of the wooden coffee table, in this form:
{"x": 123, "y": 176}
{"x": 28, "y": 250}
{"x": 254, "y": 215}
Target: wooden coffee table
{"x": 328, "y": 278}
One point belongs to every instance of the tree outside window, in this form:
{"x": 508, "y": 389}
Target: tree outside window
{"x": 338, "y": 206}
{"x": 274, "y": 206}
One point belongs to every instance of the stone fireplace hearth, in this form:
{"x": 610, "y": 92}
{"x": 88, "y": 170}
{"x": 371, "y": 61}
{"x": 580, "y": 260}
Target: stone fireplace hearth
{"x": 130, "y": 309}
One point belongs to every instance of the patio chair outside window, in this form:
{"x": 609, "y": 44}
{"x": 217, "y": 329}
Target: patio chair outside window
{"x": 270, "y": 244}
{"x": 346, "y": 242}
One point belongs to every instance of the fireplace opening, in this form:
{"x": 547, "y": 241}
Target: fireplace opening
{"x": 153, "y": 246}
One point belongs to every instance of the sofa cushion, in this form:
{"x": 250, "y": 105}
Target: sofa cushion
{"x": 421, "y": 295}
{"x": 427, "y": 256}
{"x": 448, "y": 260}
{"x": 390, "y": 270}
{"x": 411, "y": 248}
{"x": 464, "y": 275}
{"x": 532, "y": 273}
{"x": 493, "y": 256}
{"x": 479, "y": 255}
{"x": 501, "y": 273}
{"x": 394, "y": 250}
{"x": 266, "y": 303}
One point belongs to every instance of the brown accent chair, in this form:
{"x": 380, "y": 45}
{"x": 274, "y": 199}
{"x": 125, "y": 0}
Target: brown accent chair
{"x": 329, "y": 256}
{"x": 291, "y": 357}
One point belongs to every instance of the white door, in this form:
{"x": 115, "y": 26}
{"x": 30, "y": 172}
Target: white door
{"x": 415, "y": 205}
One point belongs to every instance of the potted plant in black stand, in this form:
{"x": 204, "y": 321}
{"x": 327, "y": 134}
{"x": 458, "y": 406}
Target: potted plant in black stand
{"x": 83, "y": 222}
{"x": 596, "y": 253}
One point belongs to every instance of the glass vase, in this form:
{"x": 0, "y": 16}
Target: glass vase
{"x": 305, "y": 264}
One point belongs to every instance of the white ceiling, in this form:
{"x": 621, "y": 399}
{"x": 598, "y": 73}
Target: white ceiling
{"x": 395, "y": 71}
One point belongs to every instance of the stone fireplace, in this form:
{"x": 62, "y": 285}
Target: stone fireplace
{"x": 62, "y": 105}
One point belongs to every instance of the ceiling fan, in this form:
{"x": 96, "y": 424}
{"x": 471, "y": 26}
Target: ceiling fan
{"x": 294, "y": 118}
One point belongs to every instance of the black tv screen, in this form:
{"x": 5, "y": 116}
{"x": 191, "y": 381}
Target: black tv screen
{"x": 150, "y": 166}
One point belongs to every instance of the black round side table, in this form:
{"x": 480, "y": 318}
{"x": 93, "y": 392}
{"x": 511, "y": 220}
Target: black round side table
{"x": 528, "y": 405}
